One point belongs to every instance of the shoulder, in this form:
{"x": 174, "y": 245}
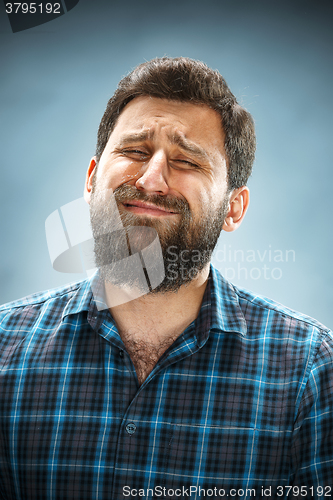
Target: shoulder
{"x": 41, "y": 310}
{"x": 301, "y": 341}
{"x": 306, "y": 334}
{"x": 39, "y": 298}
{"x": 254, "y": 303}
{"x": 55, "y": 298}
{"x": 265, "y": 317}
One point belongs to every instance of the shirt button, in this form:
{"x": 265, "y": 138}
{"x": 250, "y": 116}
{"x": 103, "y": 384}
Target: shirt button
{"x": 121, "y": 353}
{"x": 130, "y": 428}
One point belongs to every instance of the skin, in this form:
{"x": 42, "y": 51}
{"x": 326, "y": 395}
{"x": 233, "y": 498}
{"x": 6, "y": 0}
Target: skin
{"x": 167, "y": 148}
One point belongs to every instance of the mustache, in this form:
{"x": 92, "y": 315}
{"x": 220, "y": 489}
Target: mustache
{"x": 127, "y": 193}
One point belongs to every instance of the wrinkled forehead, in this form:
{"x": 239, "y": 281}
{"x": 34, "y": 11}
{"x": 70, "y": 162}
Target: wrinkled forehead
{"x": 183, "y": 123}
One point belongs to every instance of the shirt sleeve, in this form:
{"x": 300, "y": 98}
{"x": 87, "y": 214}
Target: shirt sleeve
{"x": 312, "y": 447}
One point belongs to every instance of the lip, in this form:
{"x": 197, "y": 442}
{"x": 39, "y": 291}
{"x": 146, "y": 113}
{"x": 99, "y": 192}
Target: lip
{"x": 139, "y": 207}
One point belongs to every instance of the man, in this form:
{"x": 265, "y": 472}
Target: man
{"x": 196, "y": 388}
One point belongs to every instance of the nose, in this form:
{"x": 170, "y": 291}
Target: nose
{"x": 153, "y": 175}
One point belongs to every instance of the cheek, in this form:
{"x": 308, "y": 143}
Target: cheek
{"x": 114, "y": 174}
{"x": 198, "y": 199}
{"x": 206, "y": 201}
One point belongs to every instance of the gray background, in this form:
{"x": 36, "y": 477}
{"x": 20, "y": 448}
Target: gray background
{"x": 277, "y": 59}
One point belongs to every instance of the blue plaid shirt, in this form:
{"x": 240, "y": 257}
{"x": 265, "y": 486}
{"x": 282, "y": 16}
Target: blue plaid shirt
{"x": 240, "y": 405}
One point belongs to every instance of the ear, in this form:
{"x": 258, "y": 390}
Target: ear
{"x": 238, "y": 205}
{"x": 89, "y": 179}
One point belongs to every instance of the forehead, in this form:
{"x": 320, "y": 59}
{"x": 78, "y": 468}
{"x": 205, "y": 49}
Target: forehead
{"x": 156, "y": 117}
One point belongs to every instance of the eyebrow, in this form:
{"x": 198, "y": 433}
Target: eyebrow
{"x": 176, "y": 139}
{"x": 135, "y": 137}
{"x": 189, "y": 147}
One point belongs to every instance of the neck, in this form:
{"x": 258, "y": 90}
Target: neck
{"x": 168, "y": 313}
{"x": 149, "y": 324}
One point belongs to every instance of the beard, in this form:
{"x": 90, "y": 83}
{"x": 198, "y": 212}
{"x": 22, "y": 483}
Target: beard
{"x": 185, "y": 244}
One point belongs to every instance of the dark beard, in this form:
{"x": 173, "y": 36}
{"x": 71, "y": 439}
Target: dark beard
{"x": 186, "y": 245}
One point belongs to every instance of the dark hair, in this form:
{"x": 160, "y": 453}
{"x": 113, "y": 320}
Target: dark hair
{"x": 184, "y": 79}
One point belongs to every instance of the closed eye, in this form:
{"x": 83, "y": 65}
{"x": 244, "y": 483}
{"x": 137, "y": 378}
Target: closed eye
{"x": 135, "y": 152}
{"x": 186, "y": 164}
{"x": 138, "y": 151}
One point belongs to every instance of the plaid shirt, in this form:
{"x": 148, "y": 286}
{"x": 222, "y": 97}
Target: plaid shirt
{"x": 239, "y": 405}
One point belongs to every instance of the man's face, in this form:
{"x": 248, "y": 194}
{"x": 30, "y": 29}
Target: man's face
{"x": 166, "y": 164}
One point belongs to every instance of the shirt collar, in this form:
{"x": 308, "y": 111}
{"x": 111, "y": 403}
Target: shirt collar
{"x": 220, "y": 301}
{"x": 226, "y": 314}
{"x": 82, "y": 297}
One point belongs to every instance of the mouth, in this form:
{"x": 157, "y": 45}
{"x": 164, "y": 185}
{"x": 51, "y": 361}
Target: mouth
{"x": 141, "y": 208}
